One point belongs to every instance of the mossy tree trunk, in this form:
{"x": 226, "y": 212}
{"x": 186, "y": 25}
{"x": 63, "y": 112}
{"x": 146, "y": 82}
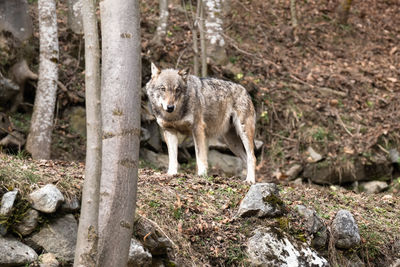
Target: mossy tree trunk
{"x": 86, "y": 247}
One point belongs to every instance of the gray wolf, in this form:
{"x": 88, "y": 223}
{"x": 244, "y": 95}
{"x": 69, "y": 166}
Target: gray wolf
{"x": 204, "y": 108}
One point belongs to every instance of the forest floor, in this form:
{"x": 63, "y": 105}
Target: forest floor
{"x": 198, "y": 214}
{"x": 330, "y": 86}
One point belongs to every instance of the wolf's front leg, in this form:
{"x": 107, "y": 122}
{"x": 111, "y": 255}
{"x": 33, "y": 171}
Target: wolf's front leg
{"x": 171, "y": 139}
{"x": 201, "y": 147}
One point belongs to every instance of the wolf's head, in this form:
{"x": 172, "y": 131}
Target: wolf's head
{"x": 167, "y": 89}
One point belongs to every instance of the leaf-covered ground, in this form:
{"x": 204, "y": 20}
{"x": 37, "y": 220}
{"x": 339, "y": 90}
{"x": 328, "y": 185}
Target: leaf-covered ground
{"x": 198, "y": 214}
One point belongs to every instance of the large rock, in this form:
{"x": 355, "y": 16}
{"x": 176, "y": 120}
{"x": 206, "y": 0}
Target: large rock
{"x": 14, "y": 18}
{"x": 345, "y": 230}
{"x": 7, "y": 202}
{"x": 71, "y": 205}
{"x": 138, "y": 255}
{"x": 46, "y": 199}
{"x": 59, "y": 237}
{"x": 48, "y": 260}
{"x": 230, "y": 165}
{"x": 271, "y": 247}
{"x": 15, "y": 253}
{"x": 373, "y": 187}
{"x": 262, "y": 200}
{"x": 314, "y": 225}
{"x": 153, "y": 240}
{"x": 157, "y": 159}
{"x": 28, "y": 223}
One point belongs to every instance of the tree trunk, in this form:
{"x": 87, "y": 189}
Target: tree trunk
{"x": 86, "y": 246}
{"x": 120, "y": 103}
{"x": 203, "y": 45}
{"x": 293, "y": 13}
{"x": 161, "y": 30}
{"x": 39, "y": 138}
{"x": 216, "y": 51}
{"x": 343, "y": 11}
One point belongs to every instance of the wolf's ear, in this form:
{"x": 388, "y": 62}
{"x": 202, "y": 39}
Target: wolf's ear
{"x": 184, "y": 73}
{"x": 154, "y": 70}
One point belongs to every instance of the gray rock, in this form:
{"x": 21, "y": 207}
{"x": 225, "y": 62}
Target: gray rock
{"x": 157, "y": 159}
{"x": 297, "y": 181}
{"x": 144, "y": 134}
{"x": 71, "y": 205}
{"x": 155, "y": 136}
{"x": 294, "y": 171}
{"x": 373, "y": 187}
{"x": 138, "y": 255}
{"x": 14, "y": 18}
{"x": 258, "y": 144}
{"x": 15, "y": 253}
{"x": 48, "y": 260}
{"x": 345, "y": 230}
{"x": 46, "y": 199}
{"x": 28, "y": 223}
{"x": 155, "y": 241}
{"x": 314, "y": 156}
{"x": 314, "y": 225}
{"x": 7, "y": 202}
{"x": 394, "y": 156}
{"x": 59, "y": 237}
{"x": 271, "y": 247}
{"x": 262, "y": 200}
{"x": 230, "y": 165}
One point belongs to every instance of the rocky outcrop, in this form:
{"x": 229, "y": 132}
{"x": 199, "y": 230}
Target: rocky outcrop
{"x": 28, "y": 223}
{"x": 138, "y": 255}
{"x": 262, "y": 200}
{"x": 272, "y": 247}
{"x": 314, "y": 225}
{"x": 59, "y": 237}
{"x": 15, "y": 253}
{"x": 46, "y": 199}
{"x": 345, "y": 230}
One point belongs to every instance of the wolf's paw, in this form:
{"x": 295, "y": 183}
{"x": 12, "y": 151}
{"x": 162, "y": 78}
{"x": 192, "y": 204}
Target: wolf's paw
{"x": 172, "y": 172}
{"x": 251, "y": 180}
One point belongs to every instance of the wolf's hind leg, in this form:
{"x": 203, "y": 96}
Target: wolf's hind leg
{"x": 201, "y": 147}
{"x": 171, "y": 139}
{"x": 245, "y": 127}
{"x": 233, "y": 141}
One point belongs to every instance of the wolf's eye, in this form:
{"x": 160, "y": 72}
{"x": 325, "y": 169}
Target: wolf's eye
{"x": 161, "y": 88}
{"x": 178, "y": 88}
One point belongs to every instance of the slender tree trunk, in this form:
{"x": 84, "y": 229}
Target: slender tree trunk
{"x": 213, "y": 13}
{"x": 161, "y": 30}
{"x": 293, "y": 13}
{"x": 86, "y": 246}
{"x": 203, "y": 45}
{"x": 120, "y": 103}
{"x": 39, "y": 138}
{"x": 343, "y": 11}
{"x": 195, "y": 38}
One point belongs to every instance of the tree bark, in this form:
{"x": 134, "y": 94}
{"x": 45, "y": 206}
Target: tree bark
{"x": 203, "y": 45}
{"x": 39, "y": 138}
{"x": 161, "y": 30}
{"x": 343, "y": 11}
{"x": 216, "y": 52}
{"x": 293, "y": 13}
{"x": 86, "y": 246}
{"x": 120, "y": 100}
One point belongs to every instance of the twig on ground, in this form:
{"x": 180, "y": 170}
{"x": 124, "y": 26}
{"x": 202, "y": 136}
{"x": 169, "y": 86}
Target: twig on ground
{"x": 161, "y": 230}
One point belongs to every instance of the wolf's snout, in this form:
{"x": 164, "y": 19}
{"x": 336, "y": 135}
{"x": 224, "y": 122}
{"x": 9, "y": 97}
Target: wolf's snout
{"x": 170, "y": 108}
